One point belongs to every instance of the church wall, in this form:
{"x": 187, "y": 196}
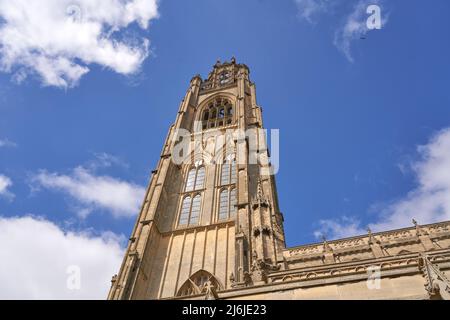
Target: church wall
{"x": 443, "y": 243}
{"x": 210, "y": 249}
{"x": 356, "y": 256}
{"x": 171, "y": 270}
{"x": 405, "y": 287}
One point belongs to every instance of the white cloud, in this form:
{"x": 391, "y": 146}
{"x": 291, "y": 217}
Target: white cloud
{"x": 121, "y": 198}
{"x": 106, "y": 160}
{"x": 355, "y": 26}
{"x": 5, "y": 183}
{"x": 309, "y": 9}
{"x": 429, "y": 202}
{"x": 7, "y": 143}
{"x": 58, "y": 39}
{"x": 344, "y": 227}
{"x": 36, "y": 256}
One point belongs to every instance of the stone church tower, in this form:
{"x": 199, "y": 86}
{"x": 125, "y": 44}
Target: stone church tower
{"x": 210, "y": 224}
{"x": 213, "y": 216}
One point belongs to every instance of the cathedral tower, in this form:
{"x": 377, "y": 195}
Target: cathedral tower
{"x": 210, "y": 220}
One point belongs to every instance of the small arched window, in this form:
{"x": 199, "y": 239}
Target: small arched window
{"x": 191, "y": 179}
{"x": 227, "y": 203}
{"x": 200, "y": 180}
{"x": 233, "y": 202}
{"x": 228, "y": 174}
{"x": 185, "y": 208}
{"x": 195, "y": 211}
{"x": 223, "y": 205}
{"x": 190, "y": 211}
{"x": 195, "y": 179}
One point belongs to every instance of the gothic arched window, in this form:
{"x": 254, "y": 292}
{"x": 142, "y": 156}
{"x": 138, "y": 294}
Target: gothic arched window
{"x": 218, "y": 113}
{"x": 200, "y": 180}
{"x": 197, "y": 284}
{"x": 190, "y": 210}
{"x": 195, "y": 179}
{"x": 233, "y": 202}
{"x": 195, "y": 210}
{"x": 223, "y": 204}
{"x": 185, "y": 208}
{"x": 190, "y": 182}
{"x": 227, "y": 203}
{"x": 228, "y": 173}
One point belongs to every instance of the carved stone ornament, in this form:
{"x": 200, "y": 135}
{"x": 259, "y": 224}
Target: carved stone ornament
{"x": 260, "y": 269}
{"x": 437, "y": 284}
{"x": 210, "y": 291}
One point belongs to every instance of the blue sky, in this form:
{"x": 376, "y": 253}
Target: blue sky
{"x": 351, "y": 121}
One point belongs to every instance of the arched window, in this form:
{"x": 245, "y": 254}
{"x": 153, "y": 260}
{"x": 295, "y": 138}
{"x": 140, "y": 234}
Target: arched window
{"x": 217, "y": 114}
{"x": 185, "y": 208}
{"x": 228, "y": 174}
{"x": 225, "y": 176}
{"x": 195, "y": 179}
{"x": 190, "y": 210}
{"x": 233, "y": 202}
{"x": 196, "y": 284}
{"x": 223, "y": 204}
{"x": 191, "y": 179}
{"x": 227, "y": 203}
{"x": 195, "y": 211}
{"x": 200, "y": 180}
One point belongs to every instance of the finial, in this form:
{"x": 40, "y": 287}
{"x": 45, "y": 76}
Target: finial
{"x": 371, "y": 237}
{"x": 419, "y": 230}
{"x": 114, "y": 279}
{"x": 326, "y": 246}
{"x": 233, "y": 59}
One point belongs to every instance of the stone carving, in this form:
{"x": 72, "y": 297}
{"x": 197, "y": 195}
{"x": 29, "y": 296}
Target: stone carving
{"x": 210, "y": 291}
{"x": 419, "y": 231}
{"x": 247, "y": 279}
{"x": 372, "y": 239}
{"x": 260, "y": 269}
{"x": 232, "y": 279}
{"x": 326, "y": 246}
{"x": 437, "y": 284}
